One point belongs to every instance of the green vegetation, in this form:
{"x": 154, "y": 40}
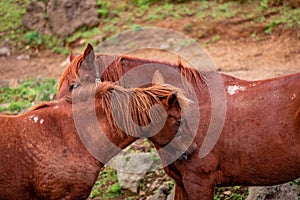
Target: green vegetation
{"x": 131, "y": 13}
{"x": 107, "y": 185}
{"x": 27, "y": 94}
{"x": 11, "y": 12}
{"x": 231, "y": 193}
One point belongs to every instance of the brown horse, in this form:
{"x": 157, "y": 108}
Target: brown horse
{"x": 43, "y": 157}
{"x": 260, "y": 141}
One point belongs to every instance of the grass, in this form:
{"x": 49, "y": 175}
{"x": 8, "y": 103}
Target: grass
{"x": 231, "y": 193}
{"x": 11, "y": 12}
{"x": 107, "y": 185}
{"x": 123, "y": 16}
{"x": 26, "y": 95}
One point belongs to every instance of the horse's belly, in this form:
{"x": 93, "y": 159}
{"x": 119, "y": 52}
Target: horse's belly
{"x": 264, "y": 168}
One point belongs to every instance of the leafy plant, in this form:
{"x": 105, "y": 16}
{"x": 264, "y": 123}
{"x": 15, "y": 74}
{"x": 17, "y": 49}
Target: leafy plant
{"x": 27, "y": 94}
{"x": 33, "y": 38}
{"x": 103, "y": 8}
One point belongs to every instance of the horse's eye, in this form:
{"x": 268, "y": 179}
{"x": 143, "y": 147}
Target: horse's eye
{"x": 74, "y": 86}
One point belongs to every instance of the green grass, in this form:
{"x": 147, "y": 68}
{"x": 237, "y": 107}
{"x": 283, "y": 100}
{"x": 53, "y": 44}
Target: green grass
{"x": 25, "y": 95}
{"x": 11, "y": 13}
{"x": 107, "y": 185}
{"x": 124, "y": 16}
{"x": 231, "y": 193}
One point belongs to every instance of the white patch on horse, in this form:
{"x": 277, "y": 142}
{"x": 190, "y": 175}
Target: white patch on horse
{"x": 42, "y": 121}
{"x": 293, "y": 96}
{"x": 35, "y": 119}
{"x": 233, "y": 88}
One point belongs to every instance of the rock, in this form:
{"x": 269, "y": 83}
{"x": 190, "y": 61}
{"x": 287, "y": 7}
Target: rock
{"x": 34, "y": 18}
{"x": 4, "y": 51}
{"x": 131, "y": 168}
{"x": 4, "y": 105}
{"x": 65, "y": 63}
{"x": 172, "y": 194}
{"x": 277, "y": 192}
{"x": 4, "y": 83}
{"x": 66, "y": 16}
{"x": 161, "y": 193}
{"x": 23, "y": 57}
{"x": 60, "y": 17}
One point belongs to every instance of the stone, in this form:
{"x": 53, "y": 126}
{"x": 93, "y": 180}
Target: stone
{"x": 60, "y": 17}
{"x": 65, "y": 63}
{"x": 23, "y": 57}
{"x": 4, "y": 83}
{"x": 34, "y": 18}
{"x": 4, "y": 51}
{"x": 131, "y": 168}
{"x": 66, "y": 16}
{"x": 161, "y": 193}
{"x": 172, "y": 194}
{"x": 277, "y": 192}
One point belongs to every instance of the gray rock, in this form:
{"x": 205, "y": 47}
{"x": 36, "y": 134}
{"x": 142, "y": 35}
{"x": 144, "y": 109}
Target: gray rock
{"x": 34, "y": 18}
{"x": 65, "y": 63}
{"x": 277, "y": 192}
{"x": 60, "y": 17}
{"x": 161, "y": 193}
{"x": 131, "y": 168}
{"x": 66, "y": 16}
{"x": 4, "y": 51}
{"x": 172, "y": 194}
{"x": 4, "y": 83}
{"x": 23, "y": 57}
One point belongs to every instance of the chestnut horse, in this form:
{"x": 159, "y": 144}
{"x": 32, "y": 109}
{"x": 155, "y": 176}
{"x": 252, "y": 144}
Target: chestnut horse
{"x": 259, "y": 144}
{"x": 42, "y": 156}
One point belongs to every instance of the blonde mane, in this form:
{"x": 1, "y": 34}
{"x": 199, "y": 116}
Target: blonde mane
{"x": 139, "y": 102}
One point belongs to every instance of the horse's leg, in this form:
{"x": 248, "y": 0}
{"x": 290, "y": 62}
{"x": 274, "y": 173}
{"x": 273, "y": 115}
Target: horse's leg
{"x": 180, "y": 193}
{"x": 199, "y": 190}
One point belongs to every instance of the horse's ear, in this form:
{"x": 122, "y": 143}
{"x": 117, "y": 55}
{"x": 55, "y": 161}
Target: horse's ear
{"x": 71, "y": 56}
{"x": 170, "y": 101}
{"x": 89, "y": 54}
{"x": 158, "y": 78}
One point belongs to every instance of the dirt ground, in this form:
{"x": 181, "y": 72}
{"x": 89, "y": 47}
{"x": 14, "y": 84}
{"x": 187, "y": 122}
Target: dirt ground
{"x": 245, "y": 57}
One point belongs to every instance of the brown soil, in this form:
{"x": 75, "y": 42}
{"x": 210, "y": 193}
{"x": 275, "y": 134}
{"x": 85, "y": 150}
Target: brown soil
{"x": 250, "y": 58}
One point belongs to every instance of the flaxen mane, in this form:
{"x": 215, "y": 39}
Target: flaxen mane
{"x": 139, "y": 101}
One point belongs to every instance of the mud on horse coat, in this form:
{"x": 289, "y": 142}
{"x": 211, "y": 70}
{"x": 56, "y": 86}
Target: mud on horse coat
{"x": 260, "y": 141}
{"x": 42, "y": 156}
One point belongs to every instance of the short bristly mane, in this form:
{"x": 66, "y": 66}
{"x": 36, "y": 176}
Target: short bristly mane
{"x": 140, "y": 101}
{"x": 43, "y": 104}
